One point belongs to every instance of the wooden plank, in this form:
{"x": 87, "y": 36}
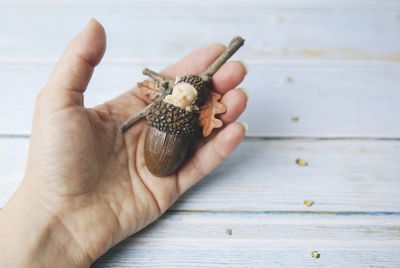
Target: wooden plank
{"x": 342, "y": 175}
{"x": 261, "y": 240}
{"x": 201, "y": 3}
{"x": 330, "y": 100}
{"x": 261, "y": 257}
{"x": 274, "y": 31}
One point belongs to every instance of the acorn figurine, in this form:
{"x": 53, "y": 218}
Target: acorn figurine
{"x": 173, "y": 116}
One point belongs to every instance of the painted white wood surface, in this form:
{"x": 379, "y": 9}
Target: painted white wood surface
{"x": 274, "y": 30}
{"x": 334, "y": 100}
{"x": 262, "y": 176}
{"x": 312, "y": 43}
{"x": 334, "y": 64}
{"x": 261, "y": 240}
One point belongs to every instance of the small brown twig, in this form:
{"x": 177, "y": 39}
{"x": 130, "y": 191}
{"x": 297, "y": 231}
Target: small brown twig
{"x": 233, "y": 46}
{"x": 134, "y": 118}
{"x": 142, "y": 113}
{"x": 164, "y": 82}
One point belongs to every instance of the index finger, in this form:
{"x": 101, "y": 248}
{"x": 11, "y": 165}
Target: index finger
{"x": 226, "y": 78}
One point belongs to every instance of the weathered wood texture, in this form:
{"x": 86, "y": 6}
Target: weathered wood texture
{"x": 158, "y": 29}
{"x": 263, "y": 176}
{"x": 333, "y": 64}
{"x": 331, "y": 100}
{"x": 261, "y": 240}
{"x": 331, "y": 93}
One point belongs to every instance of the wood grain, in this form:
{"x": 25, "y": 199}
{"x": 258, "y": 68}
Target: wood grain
{"x": 344, "y": 175}
{"x": 323, "y": 87}
{"x": 330, "y": 100}
{"x": 260, "y": 240}
{"x": 203, "y": 3}
{"x": 273, "y": 30}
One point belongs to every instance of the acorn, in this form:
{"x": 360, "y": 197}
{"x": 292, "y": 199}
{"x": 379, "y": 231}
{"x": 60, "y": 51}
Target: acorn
{"x": 174, "y": 125}
{"x": 173, "y": 116}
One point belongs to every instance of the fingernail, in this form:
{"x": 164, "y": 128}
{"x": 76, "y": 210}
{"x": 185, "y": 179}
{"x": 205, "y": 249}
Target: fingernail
{"x": 245, "y": 125}
{"x": 246, "y": 68}
{"x": 244, "y": 91}
{"x": 91, "y": 21}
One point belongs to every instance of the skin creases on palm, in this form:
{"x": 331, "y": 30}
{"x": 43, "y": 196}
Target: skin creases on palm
{"x": 93, "y": 178}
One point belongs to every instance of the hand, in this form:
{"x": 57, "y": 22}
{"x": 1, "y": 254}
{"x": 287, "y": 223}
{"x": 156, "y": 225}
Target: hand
{"x": 86, "y": 186}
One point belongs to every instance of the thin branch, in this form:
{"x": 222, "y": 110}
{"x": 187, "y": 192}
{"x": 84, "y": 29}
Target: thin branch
{"x": 233, "y": 46}
{"x": 163, "y": 81}
{"x": 165, "y": 84}
{"x": 142, "y": 113}
{"x": 134, "y": 118}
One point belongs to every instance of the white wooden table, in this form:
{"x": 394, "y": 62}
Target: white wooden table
{"x": 335, "y": 65}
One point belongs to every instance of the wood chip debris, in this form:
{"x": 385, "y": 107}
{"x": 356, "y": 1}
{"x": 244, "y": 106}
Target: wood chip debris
{"x": 301, "y": 162}
{"x": 295, "y": 119}
{"x": 315, "y": 254}
{"x": 308, "y": 203}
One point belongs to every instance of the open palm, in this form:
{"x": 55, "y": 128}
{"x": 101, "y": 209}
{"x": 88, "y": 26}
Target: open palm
{"x": 93, "y": 178}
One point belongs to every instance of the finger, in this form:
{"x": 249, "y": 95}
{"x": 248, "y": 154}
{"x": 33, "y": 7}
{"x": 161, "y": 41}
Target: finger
{"x": 73, "y": 71}
{"x": 235, "y": 101}
{"x": 209, "y": 156}
{"x": 229, "y": 76}
{"x": 195, "y": 62}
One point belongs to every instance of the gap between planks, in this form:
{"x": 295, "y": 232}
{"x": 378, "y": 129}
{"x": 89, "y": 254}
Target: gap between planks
{"x": 271, "y": 63}
{"x": 289, "y": 212}
{"x": 283, "y": 212}
{"x": 261, "y": 138}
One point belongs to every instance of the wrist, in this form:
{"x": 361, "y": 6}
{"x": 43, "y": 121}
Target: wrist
{"x": 34, "y": 237}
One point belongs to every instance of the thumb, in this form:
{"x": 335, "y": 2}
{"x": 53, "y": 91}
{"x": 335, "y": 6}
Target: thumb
{"x": 73, "y": 71}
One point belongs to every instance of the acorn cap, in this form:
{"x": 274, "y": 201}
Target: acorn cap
{"x": 174, "y": 120}
{"x": 202, "y": 87}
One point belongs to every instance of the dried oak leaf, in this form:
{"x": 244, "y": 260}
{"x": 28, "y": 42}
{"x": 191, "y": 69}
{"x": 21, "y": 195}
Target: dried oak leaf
{"x": 207, "y": 114}
{"x": 149, "y": 88}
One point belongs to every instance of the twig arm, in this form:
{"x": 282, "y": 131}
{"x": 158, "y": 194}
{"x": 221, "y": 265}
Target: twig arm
{"x": 166, "y": 85}
{"x": 233, "y": 46}
{"x": 134, "y": 118}
{"x": 163, "y": 81}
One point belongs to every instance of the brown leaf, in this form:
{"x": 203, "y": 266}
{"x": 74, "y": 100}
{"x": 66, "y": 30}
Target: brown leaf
{"x": 149, "y": 88}
{"x": 207, "y": 114}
